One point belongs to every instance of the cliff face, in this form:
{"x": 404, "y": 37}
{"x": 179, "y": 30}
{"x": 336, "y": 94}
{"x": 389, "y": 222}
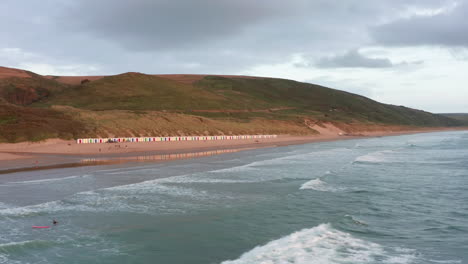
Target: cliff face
{"x": 134, "y": 104}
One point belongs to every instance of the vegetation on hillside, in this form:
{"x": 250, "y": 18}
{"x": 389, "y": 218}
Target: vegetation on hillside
{"x": 33, "y": 124}
{"x": 25, "y": 91}
{"x": 462, "y": 117}
{"x": 36, "y": 108}
{"x": 220, "y": 97}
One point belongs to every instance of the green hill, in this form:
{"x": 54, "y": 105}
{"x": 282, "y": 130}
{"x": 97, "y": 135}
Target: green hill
{"x": 242, "y": 97}
{"x": 30, "y": 124}
{"x": 137, "y": 104}
{"x": 462, "y": 117}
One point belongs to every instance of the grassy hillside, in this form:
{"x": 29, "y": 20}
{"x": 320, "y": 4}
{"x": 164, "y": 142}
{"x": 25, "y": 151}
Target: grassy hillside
{"x": 26, "y": 90}
{"x": 30, "y": 124}
{"x": 220, "y": 97}
{"x": 110, "y": 123}
{"x": 134, "y": 91}
{"x": 33, "y": 107}
{"x": 325, "y": 103}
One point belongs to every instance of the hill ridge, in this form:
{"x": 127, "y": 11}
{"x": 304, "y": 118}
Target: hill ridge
{"x": 136, "y": 103}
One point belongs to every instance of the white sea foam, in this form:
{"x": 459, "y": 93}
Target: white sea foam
{"x": 31, "y": 209}
{"x": 139, "y": 170}
{"x": 142, "y": 197}
{"x": 450, "y": 261}
{"x": 6, "y": 247}
{"x": 155, "y": 196}
{"x": 154, "y": 187}
{"x": 374, "y": 157}
{"x": 322, "y": 244}
{"x": 296, "y": 158}
{"x": 187, "y": 179}
{"x": 3, "y": 206}
{"x": 319, "y": 185}
{"x": 49, "y": 180}
{"x": 239, "y": 168}
{"x": 85, "y": 202}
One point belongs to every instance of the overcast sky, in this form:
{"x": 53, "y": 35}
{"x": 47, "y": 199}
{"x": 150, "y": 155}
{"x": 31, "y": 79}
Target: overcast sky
{"x": 403, "y": 52}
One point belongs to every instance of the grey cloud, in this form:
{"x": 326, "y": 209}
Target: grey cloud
{"x": 165, "y": 24}
{"x": 222, "y": 36}
{"x": 445, "y": 29}
{"x": 353, "y": 59}
{"x": 152, "y": 25}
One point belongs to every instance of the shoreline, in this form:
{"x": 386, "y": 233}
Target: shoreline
{"x": 55, "y": 153}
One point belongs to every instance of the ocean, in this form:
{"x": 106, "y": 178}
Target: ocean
{"x": 398, "y": 200}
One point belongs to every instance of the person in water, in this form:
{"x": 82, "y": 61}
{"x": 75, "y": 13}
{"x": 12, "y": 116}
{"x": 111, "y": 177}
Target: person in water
{"x": 55, "y": 222}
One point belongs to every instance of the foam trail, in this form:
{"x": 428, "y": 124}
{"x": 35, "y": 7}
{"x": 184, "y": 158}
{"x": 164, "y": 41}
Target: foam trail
{"x": 49, "y": 180}
{"x": 14, "y": 246}
{"x": 191, "y": 179}
{"x": 321, "y": 244}
{"x": 142, "y": 197}
{"x": 297, "y": 158}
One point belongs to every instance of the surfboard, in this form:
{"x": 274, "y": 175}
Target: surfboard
{"x": 40, "y": 226}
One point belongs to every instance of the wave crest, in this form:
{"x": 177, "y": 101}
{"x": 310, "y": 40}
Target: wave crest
{"x": 321, "y": 244}
{"x": 10, "y": 247}
{"x": 319, "y": 185}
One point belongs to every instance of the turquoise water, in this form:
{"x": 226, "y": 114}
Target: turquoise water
{"x": 382, "y": 200}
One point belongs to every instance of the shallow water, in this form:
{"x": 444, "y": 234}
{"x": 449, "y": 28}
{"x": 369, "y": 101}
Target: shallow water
{"x": 397, "y": 199}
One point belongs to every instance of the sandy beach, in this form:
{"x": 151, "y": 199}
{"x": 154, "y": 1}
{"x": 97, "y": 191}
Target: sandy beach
{"x": 56, "y": 153}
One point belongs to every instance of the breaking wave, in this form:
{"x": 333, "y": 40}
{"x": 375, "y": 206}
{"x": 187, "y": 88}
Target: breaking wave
{"x": 320, "y": 185}
{"x": 321, "y": 244}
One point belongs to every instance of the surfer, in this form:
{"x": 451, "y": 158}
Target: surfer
{"x": 55, "y": 222}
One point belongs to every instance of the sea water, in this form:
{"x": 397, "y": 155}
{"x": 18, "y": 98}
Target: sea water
{"x": 401, "y": 199}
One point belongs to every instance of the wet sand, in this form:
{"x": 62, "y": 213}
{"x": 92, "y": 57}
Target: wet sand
{"x": 55, "y": 153}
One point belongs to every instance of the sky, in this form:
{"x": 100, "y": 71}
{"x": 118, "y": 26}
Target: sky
{"x": 402, "y": 52}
